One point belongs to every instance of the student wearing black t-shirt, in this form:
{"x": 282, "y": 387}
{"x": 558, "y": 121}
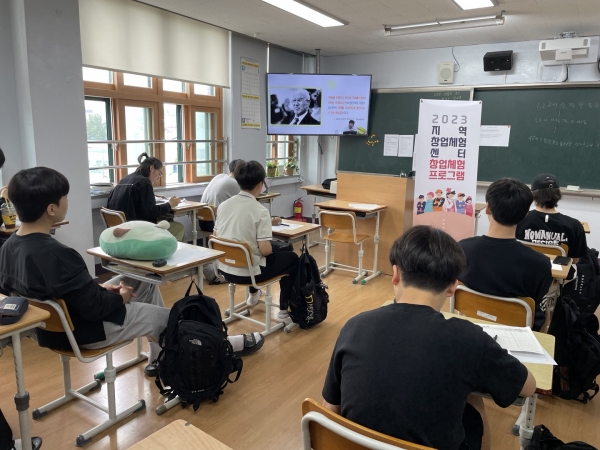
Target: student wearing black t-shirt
{"x": 545, "y": 225}
{"x": 498, "y": 264}
{"x": 406, "y": 371}
{"x": 35, "y": 265}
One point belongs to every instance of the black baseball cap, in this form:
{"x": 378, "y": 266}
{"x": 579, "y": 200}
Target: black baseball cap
{"x": 544, "y": 181}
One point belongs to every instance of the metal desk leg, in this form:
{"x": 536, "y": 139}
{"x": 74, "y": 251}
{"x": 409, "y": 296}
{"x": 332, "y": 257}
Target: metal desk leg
{"x": 22, "y": 396}
{"x": 376, "y": 272}
{"x": 526, "y": 429}
{"x": 200, "y": 277}
{"x": 194, "y": 227}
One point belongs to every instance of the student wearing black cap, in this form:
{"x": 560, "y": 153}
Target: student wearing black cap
{"x": 545, "y": 225}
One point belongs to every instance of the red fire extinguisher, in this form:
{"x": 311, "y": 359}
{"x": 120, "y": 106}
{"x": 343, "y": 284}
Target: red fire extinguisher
{"x": 298, "y": 210}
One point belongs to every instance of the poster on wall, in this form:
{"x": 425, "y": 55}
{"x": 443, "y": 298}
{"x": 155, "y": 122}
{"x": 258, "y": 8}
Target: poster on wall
{"x": 250, "y": 93}
{"x": 446, "y": 166}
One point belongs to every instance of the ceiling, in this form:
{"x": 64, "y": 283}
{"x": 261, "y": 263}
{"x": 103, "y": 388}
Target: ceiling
{"x": 526, "y": 20}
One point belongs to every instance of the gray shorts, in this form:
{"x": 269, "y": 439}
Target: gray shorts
{"x": 145, "y": 315}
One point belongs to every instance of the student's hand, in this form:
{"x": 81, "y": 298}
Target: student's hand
{"x": 275, "y": 221}
{"x": 174, "y": 201}
{"x": 111, "y": 287}
{"x": 126, "y": 292}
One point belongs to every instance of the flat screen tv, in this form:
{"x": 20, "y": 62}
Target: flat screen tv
{"x": 318, "y": 104}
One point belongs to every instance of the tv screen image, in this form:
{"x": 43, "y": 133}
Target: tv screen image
{"x": 318, "y": 104}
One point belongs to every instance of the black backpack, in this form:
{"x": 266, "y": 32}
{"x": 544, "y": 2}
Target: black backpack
{"x": 308, "y": 305}
{"x": 585, "y": 289}
{"x": 577, "y": 352}
{"x": 543, "y": 439}
{"x": 196, "y": 358}
{"x": 6, "y": 436}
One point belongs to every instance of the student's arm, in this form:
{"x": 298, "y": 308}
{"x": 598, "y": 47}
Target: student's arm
{"x": 90, "y": 300}
{"x": 529, "y": 386}
{"x": 335, "y": 408}
{"x": 265, "y": 248}
{"x": 579, "y": 248}
{"x": 264, "y": 233}
{"x": 148, "y": 206}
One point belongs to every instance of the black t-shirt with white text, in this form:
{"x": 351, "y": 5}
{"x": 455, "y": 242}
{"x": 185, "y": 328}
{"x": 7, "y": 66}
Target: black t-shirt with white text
{"x": 553, "y": 229}
{"x": 406, "y": 371}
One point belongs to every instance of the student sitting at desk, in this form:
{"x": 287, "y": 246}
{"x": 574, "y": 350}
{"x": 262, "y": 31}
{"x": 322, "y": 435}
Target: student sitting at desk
{"x": 498, "y": 264}
{"x": 406, "y": 371}
{"x": 243, "y": 219}
{"x": 35, "y": 265}
{"x": 545, "y": 225}
{"x": 134, "y": 195}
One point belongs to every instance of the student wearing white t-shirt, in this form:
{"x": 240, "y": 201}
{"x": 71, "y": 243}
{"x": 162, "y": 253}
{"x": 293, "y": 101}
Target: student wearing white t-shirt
{"x": 243, "y": 219}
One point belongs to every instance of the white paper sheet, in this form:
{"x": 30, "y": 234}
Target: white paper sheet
{"x": 287, "y": 227}
{"x": 494, "y": 136}
{"x": 514, "y": 339}
{"x": 390, "y": 146}
{"x": 534, "y": 358}
{"x": 405, "y": 145}
{"x": 367, "y": 206}
{"x": 185, "y": 255}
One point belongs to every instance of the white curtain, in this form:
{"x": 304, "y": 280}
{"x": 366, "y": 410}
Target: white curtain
{"x": 127, "y": 36}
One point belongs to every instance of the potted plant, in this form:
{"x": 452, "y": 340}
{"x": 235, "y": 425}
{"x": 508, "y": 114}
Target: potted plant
{"x": 271, "y": 168}
{"x": 290, "y": 166}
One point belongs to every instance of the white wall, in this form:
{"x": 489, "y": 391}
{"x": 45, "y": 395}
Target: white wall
{"x": 418, "y": 68}
{"x": 47, "y": 124}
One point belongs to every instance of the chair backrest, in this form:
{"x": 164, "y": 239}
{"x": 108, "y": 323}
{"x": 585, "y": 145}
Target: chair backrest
{"x": 207, "y": 213}
{"x": 237, "y": 254}
{"x": 55, "y": 323}
{"x": 323, "y": 429}
{"x": 112, "y": 218}
{"x": 337, "y": 220}
{"x": 557, "y": 250}
{"x": 517, "y": 311}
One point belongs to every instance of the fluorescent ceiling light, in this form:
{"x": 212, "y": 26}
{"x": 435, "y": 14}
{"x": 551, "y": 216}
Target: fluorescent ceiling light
{"x": 307, "y": 12}
{"x": 443, "y": 25}
{"x": 474, "y": 4}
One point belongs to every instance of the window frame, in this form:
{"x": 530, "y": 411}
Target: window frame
{"x": 121, "y": 95}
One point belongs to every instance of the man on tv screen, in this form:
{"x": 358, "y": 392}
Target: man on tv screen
{"x": 351, "y": 129}
{"x": 301, "y": 115}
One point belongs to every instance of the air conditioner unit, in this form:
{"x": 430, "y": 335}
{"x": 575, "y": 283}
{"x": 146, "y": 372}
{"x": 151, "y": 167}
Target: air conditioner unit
{"x": 577, "y": 50}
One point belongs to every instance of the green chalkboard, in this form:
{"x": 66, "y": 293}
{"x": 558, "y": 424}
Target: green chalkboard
{"x": 555, "y": 130}
{"x": 390, "y": 113}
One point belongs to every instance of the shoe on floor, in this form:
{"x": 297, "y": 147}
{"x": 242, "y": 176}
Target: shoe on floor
{"x": 254, "y": 298}
{"x": 36, "y": 443}
{"x": 251, "y": 345}
{"x": 283, "y": 314}
{"x": 151, "y": 370}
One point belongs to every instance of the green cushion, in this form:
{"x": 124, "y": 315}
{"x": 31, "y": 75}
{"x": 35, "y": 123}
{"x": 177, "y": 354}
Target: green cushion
{"x": 144, "y": 241}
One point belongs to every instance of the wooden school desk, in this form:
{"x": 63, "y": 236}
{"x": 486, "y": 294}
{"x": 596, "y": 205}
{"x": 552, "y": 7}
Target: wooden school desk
{"x": 316, "y": 190}
{"x": 190, "y": 209}
{"x": 268, "y": 198}
{"x": 294, "y": 235}
{"x": 478, "y": 208}
{"x": 33, "y": 318}
{"x": 361, "y": 213}
{"x": 8, "y": 231}
{"x": 562, "y": 272}
{"x": 179, "y": 435}
{"x": 541, "y": 372}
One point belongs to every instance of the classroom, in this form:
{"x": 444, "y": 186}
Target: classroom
{"x": 183, "y": 71}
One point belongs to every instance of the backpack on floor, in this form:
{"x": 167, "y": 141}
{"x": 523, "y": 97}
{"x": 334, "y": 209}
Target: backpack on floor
{"x": 543, "y": 439}
{"x": 6, "y": 436}
{"x": 196, "y": 359}
{"x": 585, "y": 289}
{"x": 577, "y": 352}
{"x": 308, "y": 305}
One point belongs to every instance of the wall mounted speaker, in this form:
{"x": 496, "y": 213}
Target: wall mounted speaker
{"x": 446, "y": 72}
{"x": 493, "y": 61}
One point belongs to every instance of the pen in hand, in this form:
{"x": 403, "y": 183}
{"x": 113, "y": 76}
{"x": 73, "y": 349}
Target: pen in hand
{"x": 496, "y": 338}
{"x": 283, "y": 225}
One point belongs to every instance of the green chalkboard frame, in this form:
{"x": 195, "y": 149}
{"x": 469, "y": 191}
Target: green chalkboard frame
{"x": 355, "y": 155}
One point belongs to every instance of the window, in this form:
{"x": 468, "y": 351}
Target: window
{"x": 124, "y": 106}
{"x": 281, "y": 150}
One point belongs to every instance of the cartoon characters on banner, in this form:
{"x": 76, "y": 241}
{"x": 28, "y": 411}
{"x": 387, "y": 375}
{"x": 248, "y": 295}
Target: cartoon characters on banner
{"x": 437, "y": 203}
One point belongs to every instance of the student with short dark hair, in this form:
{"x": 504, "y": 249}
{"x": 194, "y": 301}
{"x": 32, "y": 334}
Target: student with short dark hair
{"x": 406, "y": 371}
{"x": 498, "y": 264}
{"x": 134, "y": 195}
{"x": 35, "y": 265}
{"x": 241, "y": 218}
{"x": 545, "y": 225}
